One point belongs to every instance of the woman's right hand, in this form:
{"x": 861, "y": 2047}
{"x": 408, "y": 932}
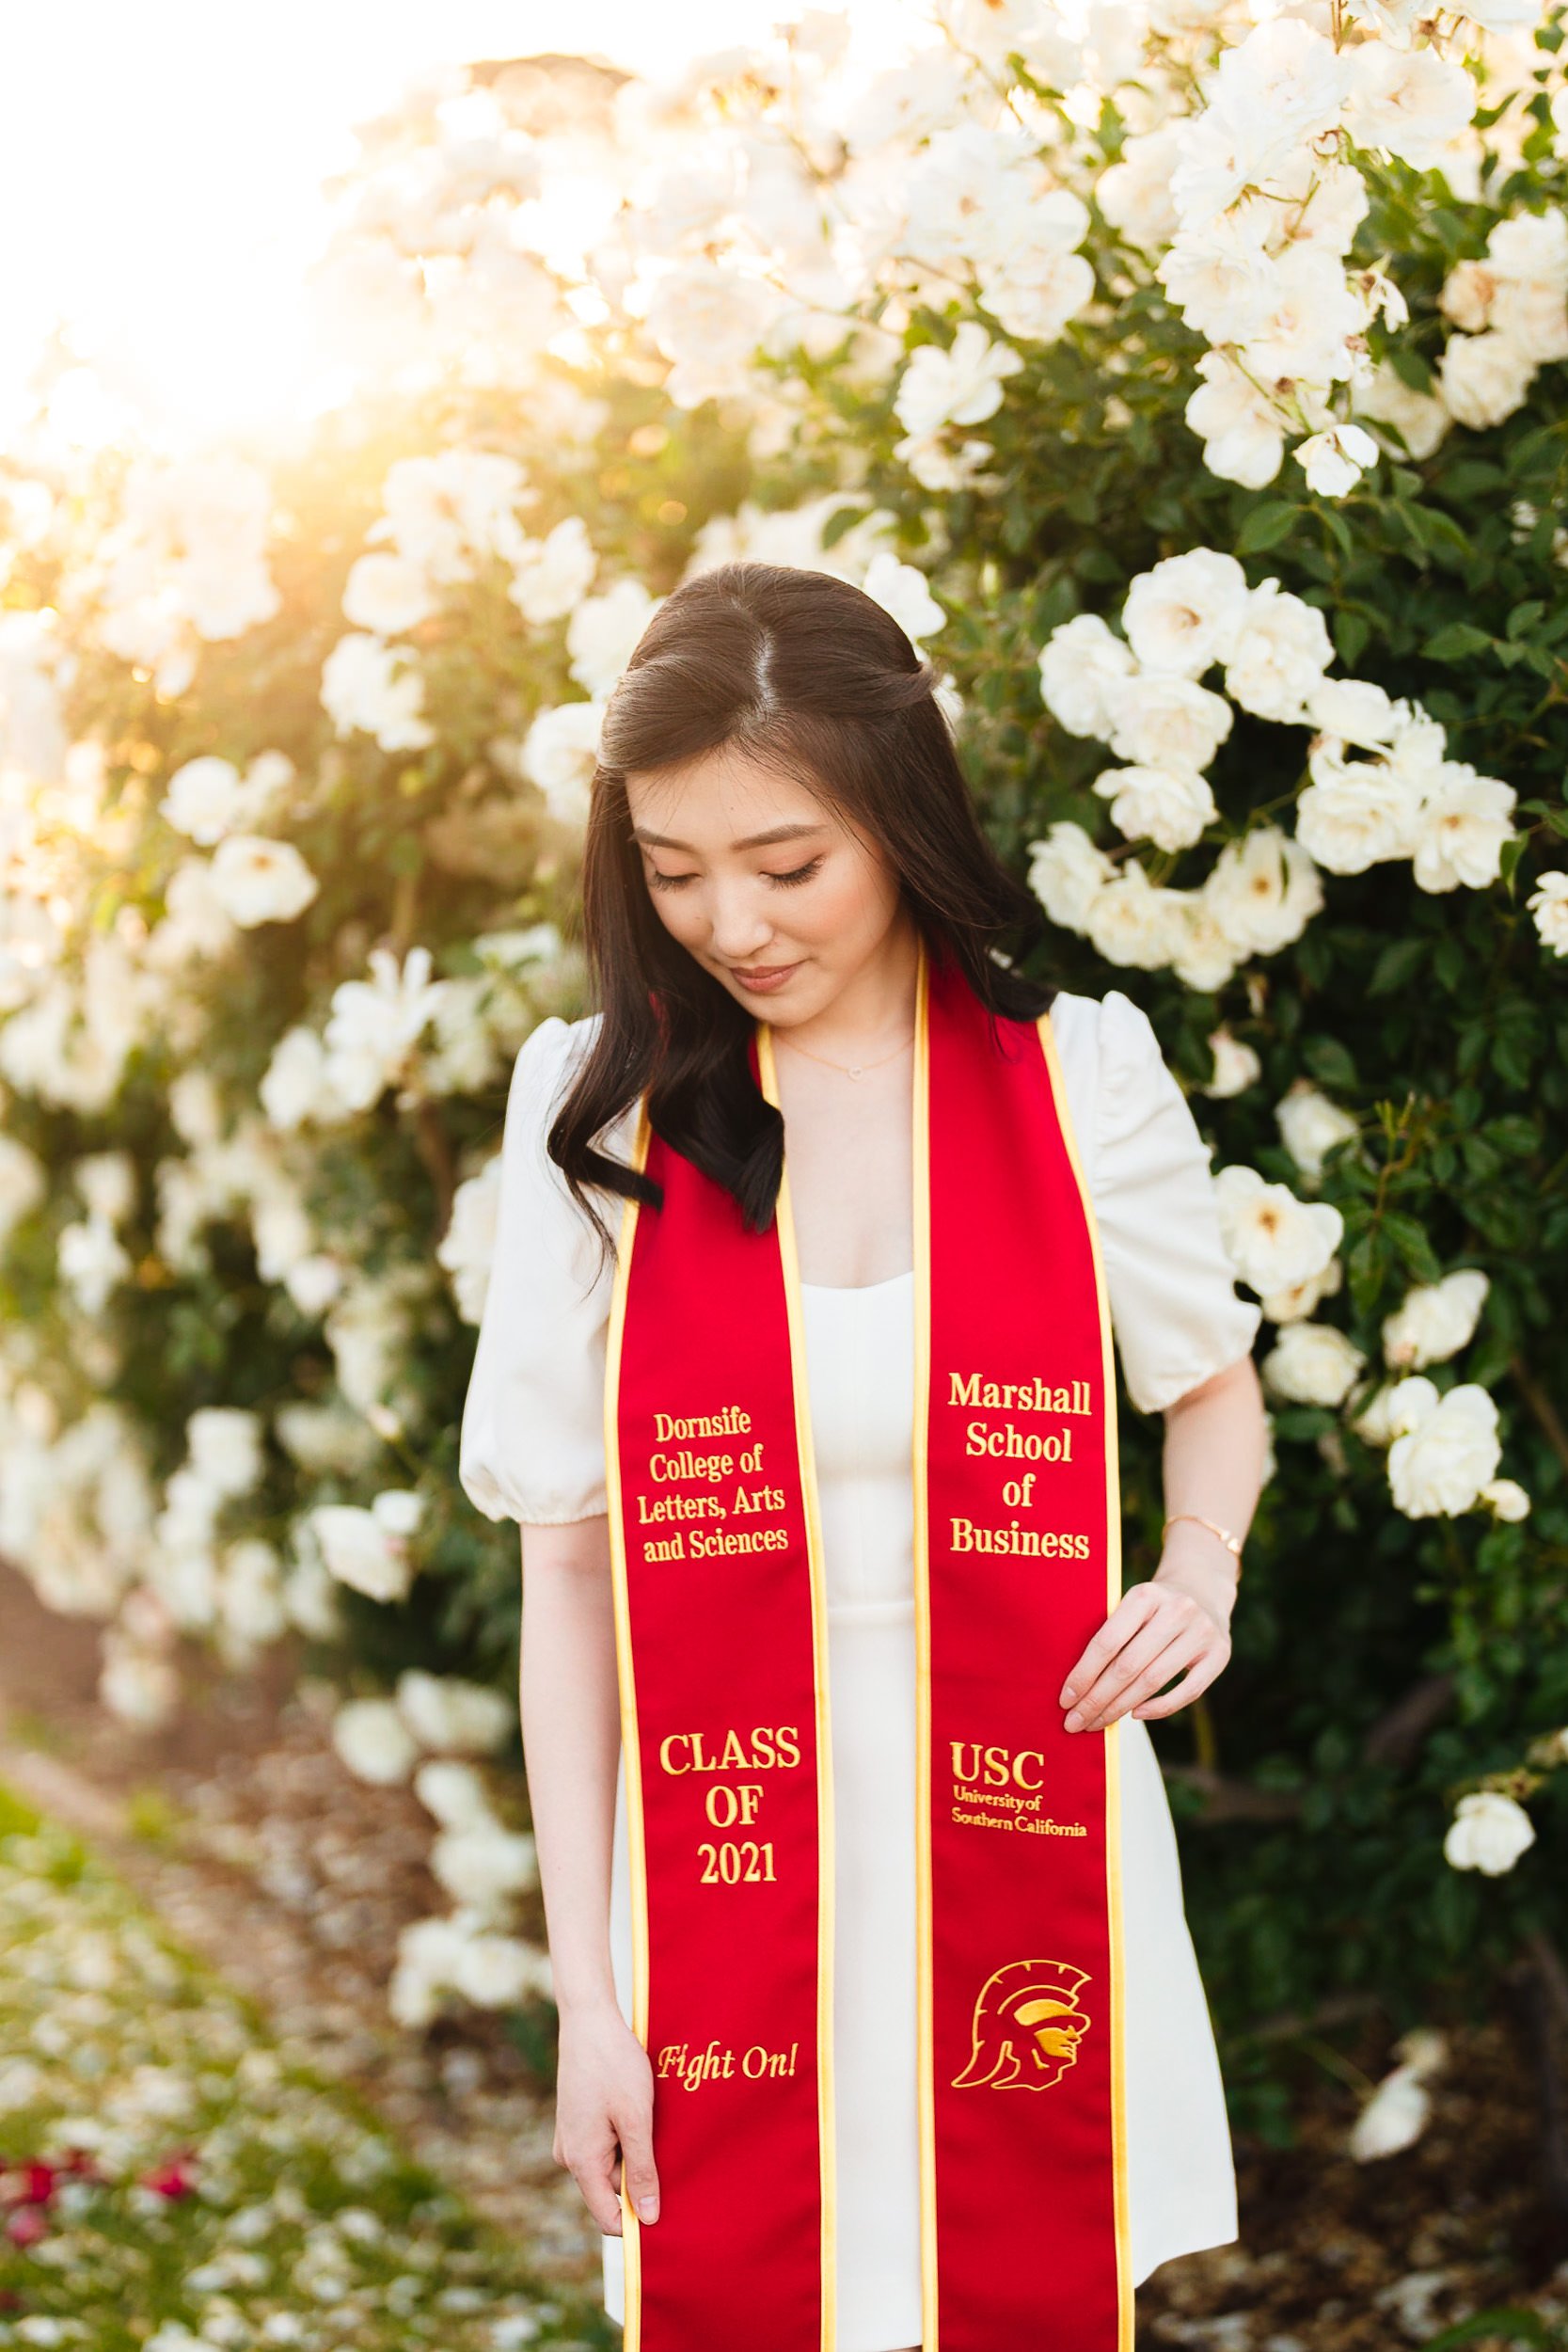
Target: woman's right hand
{"x": 603, "y": 2114}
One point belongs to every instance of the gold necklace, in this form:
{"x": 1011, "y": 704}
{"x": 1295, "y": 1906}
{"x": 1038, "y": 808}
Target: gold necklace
{"x": 857, "y": 1070}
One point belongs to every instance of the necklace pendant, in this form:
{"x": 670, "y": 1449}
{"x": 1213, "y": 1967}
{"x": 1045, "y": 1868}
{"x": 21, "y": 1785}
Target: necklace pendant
{"x": 857, "y": 1073}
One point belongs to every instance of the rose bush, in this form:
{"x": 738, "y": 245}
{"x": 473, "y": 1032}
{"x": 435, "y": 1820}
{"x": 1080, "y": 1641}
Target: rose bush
{"x": 1192, "y": 390}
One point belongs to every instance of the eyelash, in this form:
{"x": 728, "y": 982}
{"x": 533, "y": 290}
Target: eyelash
{"x": 674, "y": 881}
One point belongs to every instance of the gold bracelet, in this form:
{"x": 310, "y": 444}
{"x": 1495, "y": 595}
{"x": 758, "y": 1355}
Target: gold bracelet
{"x": 1231, "y": 1543}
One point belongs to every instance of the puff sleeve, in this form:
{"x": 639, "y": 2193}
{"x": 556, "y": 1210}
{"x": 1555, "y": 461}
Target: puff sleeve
{"x": 1175, "y": 1310}
{"x": 533, "y": 1437}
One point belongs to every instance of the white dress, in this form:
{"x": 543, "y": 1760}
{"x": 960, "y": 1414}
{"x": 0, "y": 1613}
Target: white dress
{"x": 532, "y": 1449}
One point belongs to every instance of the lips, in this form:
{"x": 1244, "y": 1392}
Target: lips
{"x": 763, "y": 978}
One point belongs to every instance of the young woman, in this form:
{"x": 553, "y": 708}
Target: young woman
{"x": 796, "y": 1370}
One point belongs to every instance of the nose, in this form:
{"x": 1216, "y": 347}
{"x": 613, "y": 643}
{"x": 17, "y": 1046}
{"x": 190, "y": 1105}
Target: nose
{"x": 740, "y": 928}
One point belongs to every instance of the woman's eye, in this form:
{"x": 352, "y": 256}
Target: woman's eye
{"x": 800, "y": 874}
{"x": 667, "y": 881}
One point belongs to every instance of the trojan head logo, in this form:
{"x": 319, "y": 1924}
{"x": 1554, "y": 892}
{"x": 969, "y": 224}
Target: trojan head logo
{"x": 1027, "y": 2026}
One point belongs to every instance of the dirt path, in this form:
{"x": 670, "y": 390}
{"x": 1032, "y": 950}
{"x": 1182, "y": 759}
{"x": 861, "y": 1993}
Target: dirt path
{"x": 240, "y": 1827}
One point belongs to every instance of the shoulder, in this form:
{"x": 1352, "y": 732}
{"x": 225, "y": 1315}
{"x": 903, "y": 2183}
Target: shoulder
{"x": 1106, "y": 1043}
{"x": 548, "y": 1060}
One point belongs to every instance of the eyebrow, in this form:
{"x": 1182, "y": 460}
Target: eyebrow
{"x": 753, "y": 840}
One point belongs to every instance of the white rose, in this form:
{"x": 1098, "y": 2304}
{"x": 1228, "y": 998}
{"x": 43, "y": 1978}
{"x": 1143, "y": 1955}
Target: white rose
{"x": 1237, "y": 1066}
{"x": 369, "y": 685}
{"x": 553, "y": 574}
{"x": 224, "y": 1442}
{"x": 374, "y": 1741}
{"x": 1242, "y": 438}
{"x": 1067, "y": 872}
{"x": 1335, "y": 461}
{"x": 468, "y": 1245}
{"x": 1394, "y": 2117}
{"x": 603, "y": 633}
{"x": 1548, "y": 905}
{"x": 443, "y": 1711}
{"x": 1310, "y": 1125}
{"x": 204, "y": 799}
{"x": 1489, "y": 1832}
{"x": 960, "y": 386}
{"x": 454, "y": 1793}
{"x": 1355, "y": 813}
{"x": 1356, "y": 709}
{"x": 499, "y": 1971}
{"x": 91, "y": 1262}
{"x": 107, "y": 1182}
{"x": 484, "y": 1865}
{"x": 1080, "y": 663}
{"x": 1160, "y": 722}
{"x": 1461, "y": 829}
{"x": 1312, "y": 1363}
{"x": 1413, "y": 103}
{"x": 1484, "y": 378}
{"x": 23, "y": 1183}
{"x": 1182, "y": 616}
{"x": 1169, "y": 807}
{"x": 1280, "y": 651}
{"x": 360, "y": 1552}
{"x": 1263, "y": 890}
{"x": 560, "y": 753}
{"x": 1439, "y": 1465}
{"x": 388, "y": 594}
{"x": 294, "y": 1089}
{"x": 902, "y": 590}
{"x": 1436, "y": 1319}
{"x": 1132, "y": 921}
{"x": 1506, "y": 1499}
{"x": 261, "y": 881}
{"x": 375, "y": 1024}
{"x": 1271, "y": 1238}
{"x": 1295, "y": 1301}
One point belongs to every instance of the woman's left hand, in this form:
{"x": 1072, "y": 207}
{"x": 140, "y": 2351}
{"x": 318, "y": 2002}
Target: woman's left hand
{"x": 1178, "y": 1622}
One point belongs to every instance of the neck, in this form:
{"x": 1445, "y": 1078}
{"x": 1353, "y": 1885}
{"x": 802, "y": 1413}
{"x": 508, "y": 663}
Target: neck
{"x": 874, "y": 1010}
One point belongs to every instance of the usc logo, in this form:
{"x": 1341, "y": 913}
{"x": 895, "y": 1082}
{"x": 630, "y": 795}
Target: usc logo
{"x": 1026, "y": 2027}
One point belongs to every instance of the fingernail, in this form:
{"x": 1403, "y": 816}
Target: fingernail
{"x": 1068, "y": 1694}
{"x": 648, "y": 2209}
{"x": 1075, "y": 1721}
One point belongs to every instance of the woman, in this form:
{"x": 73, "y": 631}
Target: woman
{"x": 799, "y": 934}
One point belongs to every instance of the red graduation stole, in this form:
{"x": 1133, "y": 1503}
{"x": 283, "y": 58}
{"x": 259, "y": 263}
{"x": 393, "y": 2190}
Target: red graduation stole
{"x": 722, "y": 1642}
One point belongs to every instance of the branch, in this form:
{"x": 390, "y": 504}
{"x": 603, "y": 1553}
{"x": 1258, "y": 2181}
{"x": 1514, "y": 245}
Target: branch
{"x": 1541, "y": 1406}
{"x": 434, "y": 1148}
{"x": 1396, "y": 1736}
{"x": 1234, "y": 1800}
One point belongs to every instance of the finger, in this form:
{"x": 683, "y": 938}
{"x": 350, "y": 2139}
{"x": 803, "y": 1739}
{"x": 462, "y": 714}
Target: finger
{"x": 1138, "y": 1678}
{"x": 1197, "y": 1678}
{"x": 1091, "y": 1705}
{"x": 591, "y": 2174}
{"x": 641, "y": 2174}
{"x": 1130, "y": 1611}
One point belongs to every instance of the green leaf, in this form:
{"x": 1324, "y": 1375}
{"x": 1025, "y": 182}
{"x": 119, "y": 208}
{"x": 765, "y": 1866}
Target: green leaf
{"x": 1266, "y": 526}
{"x": 1397, "y": 966}
{"x": 1351, "y": 632}
{"x": 1457, "y": 643}
{"x": 1410, "y": 1238}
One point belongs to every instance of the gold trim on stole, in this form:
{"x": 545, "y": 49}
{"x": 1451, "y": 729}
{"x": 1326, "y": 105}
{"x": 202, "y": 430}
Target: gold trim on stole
{"x": 826, "y": 2124}
{"x": 920, "y": 1453}
{"x": 1112, "y": 1736}
{"x": 631, "y": 2244}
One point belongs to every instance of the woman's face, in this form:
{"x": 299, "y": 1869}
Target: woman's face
{"x": 781, "y": 896}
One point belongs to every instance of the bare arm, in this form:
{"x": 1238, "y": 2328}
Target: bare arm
{"x": 1179, "y": 1621}
{"x": 571, "y": 1744}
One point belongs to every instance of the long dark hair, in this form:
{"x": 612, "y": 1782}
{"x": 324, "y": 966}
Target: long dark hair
{"x": 809, "y": 675}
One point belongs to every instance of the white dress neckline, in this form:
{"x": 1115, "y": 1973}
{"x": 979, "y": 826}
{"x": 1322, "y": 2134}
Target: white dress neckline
{"x": 857, "y": 1290}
